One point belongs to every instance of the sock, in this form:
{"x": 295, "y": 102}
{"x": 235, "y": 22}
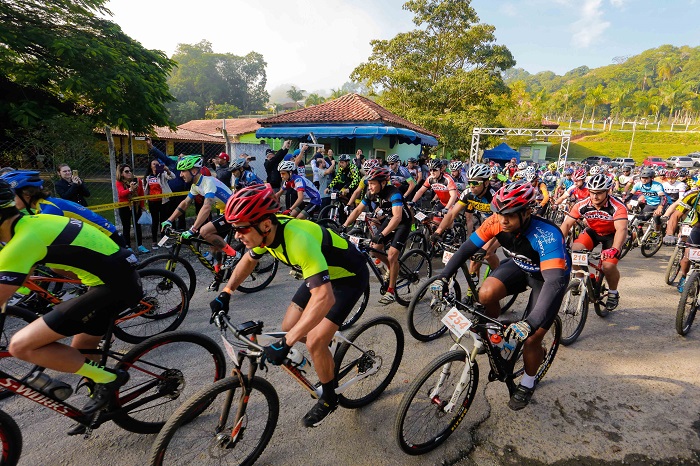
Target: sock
{"x": 230, "y": 251}
{"x": 217, "y": 267}
{"x": 390, "y": 290}
{"x": 329, "y": 394}
{"x": 612, "y": 291}
{"x": 528, "y": 380}
{"x": 95, "y": 372}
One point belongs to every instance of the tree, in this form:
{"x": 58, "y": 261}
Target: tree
{"x": 314, "y": 99}
{"x": 220, "y": 111}
{"x": 296, "y": 94}
{"x": 595, "y": 97}
{"x": 673, "y": 95}
{"x": 443, "y": 75}
{"x": 335, "y": 93}
{"x": 59, "y": 57}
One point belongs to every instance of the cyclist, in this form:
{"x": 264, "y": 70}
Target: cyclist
{"x": 415, "y": 170}
{"x": 455, "y": 168}
{"x": 537, "y": 257}
{"x": 346, "y": 178}
{"x": 687, "y": 205}
{"x": 308, "y": 198}
{"x": 674, "y": 189}
{"x": 335, "y": 276}
{"x": 395, "y": 228}
{"x": 578, "y": 190}
{"x": 565, "y": 183}
{"x": 242, "y": 175}
{"x": 653, "y": 193}
{"x": 30, "y": 192}
{"x": 510, "y": 168}
{"x": 108, "y": 270}
{"x": 400, "y": 176}
{"x": 551, "y": 178}
{"x": 606, "y": 220}
{"x": 541, "y": 191}
{"x": 361, "y": 189}
{"x": 442, "y": 184}
{"x": 622, "y": 180}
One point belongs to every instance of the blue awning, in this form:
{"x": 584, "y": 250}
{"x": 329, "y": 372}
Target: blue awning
{"x": 402, "y": 135}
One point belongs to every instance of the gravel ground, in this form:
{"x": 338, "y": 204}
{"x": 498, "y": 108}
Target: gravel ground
{"x": 625, "y": 393}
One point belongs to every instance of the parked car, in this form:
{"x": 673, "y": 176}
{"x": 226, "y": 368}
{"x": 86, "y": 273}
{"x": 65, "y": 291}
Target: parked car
{"x": 596, "y": 160}
{"x": 622, "y": 161}
{"x": 680, "y": 162}
{"x": 696, "y": 158}
{"x": 654, "y": 161}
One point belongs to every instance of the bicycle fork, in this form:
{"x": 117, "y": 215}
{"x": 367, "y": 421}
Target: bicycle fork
{"x": 461, "y": 385}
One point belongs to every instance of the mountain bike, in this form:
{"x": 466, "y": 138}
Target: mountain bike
{"x": 584, "y": 287}
{"x": 236, "y": 417}
{"x": 690, "y": 298}
{"x": 164, "y": 371}
{"x": 641, "y": 232}
{"x": 438, "y": 399}
{"x": 336, "y": 209}
{"x": 425, "y": 313}
{"x": 674, "y": 262}
{"x": 262, "y": 275}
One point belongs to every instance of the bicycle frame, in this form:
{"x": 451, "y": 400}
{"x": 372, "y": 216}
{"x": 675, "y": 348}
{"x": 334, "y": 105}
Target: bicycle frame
{"x": 175, "y": 251}
{"x": 584, "y": 275}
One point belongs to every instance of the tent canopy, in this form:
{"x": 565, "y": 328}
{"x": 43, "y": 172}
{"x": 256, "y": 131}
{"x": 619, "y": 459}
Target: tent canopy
{"x": 502, "y": 153}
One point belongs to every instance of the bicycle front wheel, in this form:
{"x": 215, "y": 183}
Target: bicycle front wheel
{"x": 15, "y": 319}
{"x": 601, "y": 294}
{"x": 426, "y": 416}
{"x": 366, "y": 364}
{"x": 652, "y": 244}
{"x": 425, "y": 311}
{"x": 176, "y": 265}
{"x": 215, "y": 436}
{"x": 168, "y": 368}
{"x": 414, "y": 269}
{"x": 573, "y": 312}
{"x": 162, "y": 308}
{"x": 674, "y": 265}
{"x": 688, "y": 304}
{"x": 10, "y": 440}
{"x": 261, "y": 276}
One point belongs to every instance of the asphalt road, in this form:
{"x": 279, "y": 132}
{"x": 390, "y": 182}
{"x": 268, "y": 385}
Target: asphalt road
{"x": 625, "y": 393}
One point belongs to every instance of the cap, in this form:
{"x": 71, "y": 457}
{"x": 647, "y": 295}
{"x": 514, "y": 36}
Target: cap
{"x": 269, "y": 151}
{"x": 223, "y": 156}
{"x": 296, "y": 152}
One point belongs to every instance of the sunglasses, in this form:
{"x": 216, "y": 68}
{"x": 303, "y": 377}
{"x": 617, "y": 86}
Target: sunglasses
{"x": 243, "y": 230}
{"x": 434, "y": 169}
{"x": 474, "y": 182}
{"x": 126, "y": 171}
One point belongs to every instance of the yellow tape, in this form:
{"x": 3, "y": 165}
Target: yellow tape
{"x": 134, "y": 200}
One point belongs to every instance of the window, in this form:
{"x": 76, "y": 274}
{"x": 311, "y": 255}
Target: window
{"x": 346, "y": 146}
{"x": 380, "y": 154}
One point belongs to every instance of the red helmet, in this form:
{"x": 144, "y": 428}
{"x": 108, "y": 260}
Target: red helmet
{"x": 579, "y": 174}
{"x": 672, "y": 174}
{"x": 379, "y": 174}
{"x": 513, "y": 198}
{"x": 251, "y": 204}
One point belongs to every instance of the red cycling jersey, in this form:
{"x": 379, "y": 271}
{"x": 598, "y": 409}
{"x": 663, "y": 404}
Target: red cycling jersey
{"x": 602, "y": 220}
{"x": 442, "y": 187}
{"x": 578, "y": 193}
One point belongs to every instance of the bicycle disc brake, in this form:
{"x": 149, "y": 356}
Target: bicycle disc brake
{"x": 172, "y": 384}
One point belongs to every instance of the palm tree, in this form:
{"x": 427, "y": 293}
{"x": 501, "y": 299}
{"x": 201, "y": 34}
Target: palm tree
{"x": 314, "y": 99}
{"x": 595, "y": 97}
{"x": 335, "y": 93}
{"x": 296, "y": 94}
{"x": 673, "y": 94}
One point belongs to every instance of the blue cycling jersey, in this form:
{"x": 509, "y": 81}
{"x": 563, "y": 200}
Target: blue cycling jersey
{"x": 248, "y": 178}
{"x": 311, "y": 194}
{"x": 64, "y": 208}
{"x": 550, "y": 180}
{"x": 653, "y": 192}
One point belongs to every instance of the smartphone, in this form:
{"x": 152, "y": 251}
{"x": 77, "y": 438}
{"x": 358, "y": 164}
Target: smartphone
{"x": 75, "y": 173}
{"x": 160, "y": 168}
{"x": 250, "y": 159}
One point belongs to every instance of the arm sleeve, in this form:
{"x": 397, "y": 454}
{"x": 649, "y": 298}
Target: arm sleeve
{"x": 355, "y": 177}
{"x": 550, "y": 296}
{"x": 162, "y": 158}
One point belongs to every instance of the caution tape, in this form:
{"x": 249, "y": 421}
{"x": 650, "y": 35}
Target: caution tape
{"x": 134, "y": 200}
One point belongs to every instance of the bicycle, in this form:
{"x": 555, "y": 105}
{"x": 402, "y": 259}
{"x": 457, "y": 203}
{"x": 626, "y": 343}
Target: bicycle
{"x": 584, "y": 287}
{"x": 425, "y": 312}
{"x": 336, "y": 209}
{"x": 427, "y": 223}
{"x": 248, "y": 406}
{"x": 159, "y": 376}
{"x": 690, "y": 298}
{"x": 674, "y": 262}
{"x": 262, "y": 275}
{"x": 641, "y": 232}
{"x": 438, "y": 399}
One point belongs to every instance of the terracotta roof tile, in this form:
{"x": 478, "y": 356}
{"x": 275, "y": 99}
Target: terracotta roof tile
{"x": 163, "y": 132}
{"x": 234, "y": 126}
{"x": 350, "y": 108}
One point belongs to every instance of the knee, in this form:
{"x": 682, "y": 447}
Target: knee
{"x": 489, "y": 294}
{"x": 20, "y": 346}
{"x": 393, "y": 254}
{"x": 315, "y": 344}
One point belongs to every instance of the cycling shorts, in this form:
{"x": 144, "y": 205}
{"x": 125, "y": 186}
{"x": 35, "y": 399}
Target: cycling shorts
{"x": 648, "y": 212}
{"x": 590, "y": 239}
{"x": 694, "y": 237}
{"x": 308, "y": 208}
{"x": 347, "y": 292}
{"x": 222, "y": 227}
{"x": 516, "y": 280}
{"x": 94, "y": 311}
{"x": 398, "y": 237}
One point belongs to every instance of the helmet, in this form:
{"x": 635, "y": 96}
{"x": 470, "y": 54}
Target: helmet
{"x": 479, "y": 171}
{"x": 379, "y": 174}
{"x": 626, "y": 168}
{"x": 370, "y": 164}
{"x": 647, "y": 173}
{"x": 683, "y": 172}
{"x": 568, "y": 171}
{"x": 189, "y": 162}
{"x": 344, "y": 158}
{"x": 600, "y": 182}
{"x": 22, "y": 178}
{"x": 579, "y": 174}
{"x": 434, "y": 163}
{"x": 251, "y": 204}
{"x": 522, "y": 165}
{"x": 672, "y": 174}
{"x": 7, "y": 195}
{"x": 286, "y": 166}
{"x": 530, "y": 176}
{"x": 445, "y": 162}
{"x": 393, "y": 158}
{"x": 513, "y": 198}
{"x": 238, "y": 164}
{"x": 595, "y": 170}
{"x": 412, "y": 160}
{"x": 552, "y": 166}
{"x": 661, "y": 171}
{"x": 530, "y": 170}
{"x": 456, "y": 165}
{"x": 494, "y": 170}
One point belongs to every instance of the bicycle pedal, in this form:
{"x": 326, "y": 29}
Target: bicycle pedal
{"x": 214, "y": 286}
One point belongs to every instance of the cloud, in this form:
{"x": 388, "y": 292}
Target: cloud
{"x": 591, "y": 24}
{"x": 509, "y": 9}
{"x": 618, "y": 3}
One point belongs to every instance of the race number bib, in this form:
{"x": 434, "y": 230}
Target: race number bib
{"x": 354, "y": 240}
{"x": 694, "y": 254}
{"x": 685, "y": 230}
{"x": 579, "y": 258}
{"x": 634, "y": 203}
{"x": 334, "y": 195}
{"x": 446, "y": 256}
{"x": 362, "y": 216}
{"x": 456, "y": 322}
{"x": 420, "y": 216}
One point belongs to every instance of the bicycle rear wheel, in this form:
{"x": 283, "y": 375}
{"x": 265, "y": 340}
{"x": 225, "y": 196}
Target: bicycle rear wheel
{"x": 357, "y": 312}
{"x": 170, "y": 368}
{"x": 16, "y": 318}
{"x": 162, "y": 309}
{"x": 674, "y": 265}
{"x": 550, "y": 343}
{"x": 688, "y": 304}
{"x": 601, "y": 294}
{"x": 178, "y": 265}
{"x": 209, "y": 438}
{"x": 416, "y": 240}
{"x": 425, "y": 312}
{"x": 10, "y": 440}
{"x": 573, "y": 312}
{"x": 414, "y": 269}
{"x": 365, "y": 366}
{"x": 262, "y": 275}
{"x": 424, "y": 420}
{"x": 652, "y": 244}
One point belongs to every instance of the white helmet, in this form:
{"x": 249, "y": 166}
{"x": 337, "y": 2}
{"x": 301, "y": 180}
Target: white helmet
{"x": 600, "y": 182}
{"x": 522, "y": 165}
{"x": 595, "y": 170}
{"x": 286, "y": 166}
{"x": 479, "y": 172}
{"x": 393, "y": 158}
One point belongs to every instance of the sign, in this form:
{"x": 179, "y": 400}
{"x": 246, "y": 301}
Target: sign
{"x": 634, "y": 203}
{"x": 334, "y": 196}
{"x": 694, "y": 254}
{"x": 354, "y": 240}
{"x": 420, "y": 216}
{"x": 229, "y": 350}
{"x": 579, "y": 258}
{"x": 456, "y": 322}
{"x": 685, "y": 230}
{"x": 630, "y": 217}
{"x": 446, "y": 256}
{"x": 362, "y": 216}
{"x": 162, "y": 241}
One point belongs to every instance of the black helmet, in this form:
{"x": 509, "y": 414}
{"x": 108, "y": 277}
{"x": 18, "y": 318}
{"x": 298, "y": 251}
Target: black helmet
{"x": 7, "y": 195}
{"x": 344, "y": 158}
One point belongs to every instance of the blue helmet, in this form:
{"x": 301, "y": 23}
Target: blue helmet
{"x": 19, "y": 179}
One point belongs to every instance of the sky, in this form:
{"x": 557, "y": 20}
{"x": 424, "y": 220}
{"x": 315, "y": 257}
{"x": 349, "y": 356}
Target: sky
{"x": 315, "y": 44}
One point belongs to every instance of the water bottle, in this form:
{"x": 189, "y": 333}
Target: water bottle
{"x": 497, "y": 341}
{"x": 296, "y": 358}
{"x": 42, "y": 382}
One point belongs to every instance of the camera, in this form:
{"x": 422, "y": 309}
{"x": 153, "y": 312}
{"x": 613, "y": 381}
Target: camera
{"x": 250, "y": 159}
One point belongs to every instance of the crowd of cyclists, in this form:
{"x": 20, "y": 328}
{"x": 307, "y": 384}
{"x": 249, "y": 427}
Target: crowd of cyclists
{"x": 515, "y": 209}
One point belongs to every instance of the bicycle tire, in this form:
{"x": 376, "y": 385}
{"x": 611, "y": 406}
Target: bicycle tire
{"x": 627, "y": 246}
{"x": 10, "y": 440}
{"x": 674, "y": 265}
{"x": 648, "y": 248}
{"x": 157, "y": 367}
{"x": 176, "y": 265}
{"x": 353, "y": 365}
{"x": 411, "y": 270}
{"x": 330, "y": 224}
{"x": 573, "y": 312}
{"x": 416, "y": 240}
{"x": 432, "y": 420}
{"x": 424, "y": 315}
{"x": 355, "y": 315}
{"x": 184, "y": 440}
{"x": 600, "y": 292}
{"x": 162, "y": 308}
{"x": 262, "y": 270}
{"x": 688, "y": 304}
{"x": 16, "y": 318}
{"x": 550, "y": 343}
{"x": 332, "y": 212}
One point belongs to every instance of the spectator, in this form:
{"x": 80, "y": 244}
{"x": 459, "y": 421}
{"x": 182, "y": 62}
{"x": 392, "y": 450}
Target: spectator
{"x": 156, "y": 182}
{"x": 325, "y": 172}
{"x": 359, "y": 159}
{"x": 177, "y": 185}
{"x": 320, "y": 153}
{"x": 69, "y": 186}
{"x": 221, "y": 162}
{"x": 129, "y": 186}
{"x": 273, "y": 159}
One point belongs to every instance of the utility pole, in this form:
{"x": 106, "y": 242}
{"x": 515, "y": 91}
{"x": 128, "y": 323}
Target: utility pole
{"x": 634, "y": 127}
